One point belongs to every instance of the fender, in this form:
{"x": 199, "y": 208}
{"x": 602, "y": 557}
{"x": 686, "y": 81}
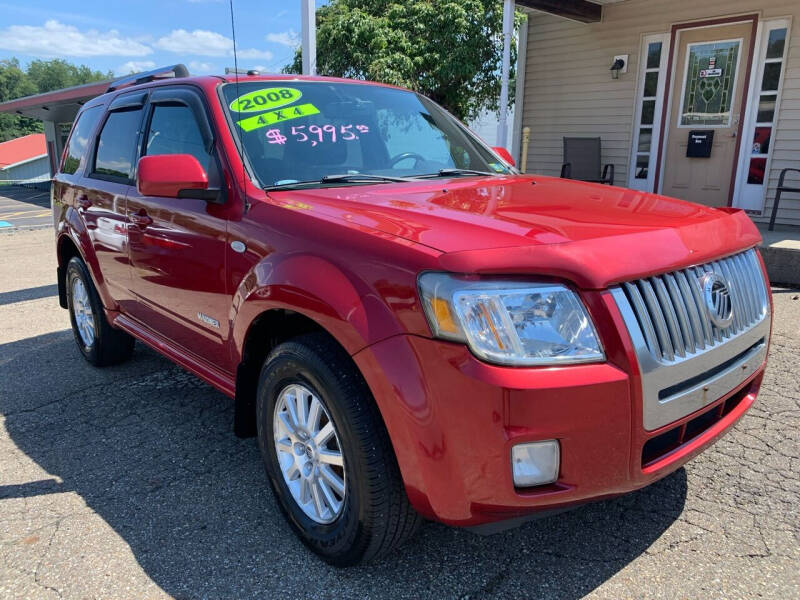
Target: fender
{"x": 73, "y": 226}
{"x": 346, "y": 307}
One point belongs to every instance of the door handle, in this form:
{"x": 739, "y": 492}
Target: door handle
{"x": 140, "y": 219}
{"x": 84, "y": 203}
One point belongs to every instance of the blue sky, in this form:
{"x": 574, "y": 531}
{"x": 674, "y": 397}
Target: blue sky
{"x": 135, "y": 36}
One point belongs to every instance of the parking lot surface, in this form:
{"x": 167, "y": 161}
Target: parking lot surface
{"x": 24, "y": 208}
{"x": 128, "y": 483}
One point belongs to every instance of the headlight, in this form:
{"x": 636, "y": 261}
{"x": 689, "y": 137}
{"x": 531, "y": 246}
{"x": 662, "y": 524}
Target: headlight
{"x": 511, "y": 323}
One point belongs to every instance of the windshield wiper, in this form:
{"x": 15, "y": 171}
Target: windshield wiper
{"x": 456, "y": 173}
{"x": 343, "y": 178}
{"x": 356, "y": 177}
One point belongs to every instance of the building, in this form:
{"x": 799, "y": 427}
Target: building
{"x": 24, "y": 160}
{"x": 727, "y": 68}
{"x": 688, "y": 70}
{"x": 57, "y": 110}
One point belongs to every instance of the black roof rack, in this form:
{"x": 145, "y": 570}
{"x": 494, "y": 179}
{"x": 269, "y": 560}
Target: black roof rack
{"x": 172, "y": 71}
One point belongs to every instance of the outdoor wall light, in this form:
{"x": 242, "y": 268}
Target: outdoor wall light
{"x": 619, "y": 65}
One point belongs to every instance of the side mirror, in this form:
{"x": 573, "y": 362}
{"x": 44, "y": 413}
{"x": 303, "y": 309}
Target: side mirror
{"x": 171, "y": 176}
{"x": 505, "y": 155}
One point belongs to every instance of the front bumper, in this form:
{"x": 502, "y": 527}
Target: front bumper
{"x": 453, "y": 420}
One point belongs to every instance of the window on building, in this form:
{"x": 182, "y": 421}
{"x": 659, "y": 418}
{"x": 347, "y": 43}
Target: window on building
{"x": 710, "y": 84}
{"x": 767, "y": 99}
{"x": 645, "y": 140}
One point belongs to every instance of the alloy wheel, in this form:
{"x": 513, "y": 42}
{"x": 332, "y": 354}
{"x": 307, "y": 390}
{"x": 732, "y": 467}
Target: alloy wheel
{"x": 82, "y": 310}
{"x": 309, "y": 453}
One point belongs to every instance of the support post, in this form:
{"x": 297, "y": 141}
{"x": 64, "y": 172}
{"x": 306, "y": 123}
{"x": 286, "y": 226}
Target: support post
{"x": 526, "y": 140}
{"x": 54, "y": 146}
{"x": 519, "y": 100}
{"x": 309, "y": 25}
{"x": 508, "y": 35}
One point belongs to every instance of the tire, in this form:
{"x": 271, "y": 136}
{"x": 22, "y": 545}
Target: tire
{"x": 374, "y": 514}
{"x": 100, "y": 343}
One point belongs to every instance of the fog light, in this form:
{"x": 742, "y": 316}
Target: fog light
{"x": 535, "y": 463}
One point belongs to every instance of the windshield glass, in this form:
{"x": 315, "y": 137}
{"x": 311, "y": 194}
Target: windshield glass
{"x": 295, "y": 131}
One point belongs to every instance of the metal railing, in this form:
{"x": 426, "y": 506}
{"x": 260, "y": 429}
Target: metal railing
{"x": 782, "y": 187}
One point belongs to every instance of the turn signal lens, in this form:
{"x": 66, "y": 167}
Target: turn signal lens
{"x": 443, "y": 316}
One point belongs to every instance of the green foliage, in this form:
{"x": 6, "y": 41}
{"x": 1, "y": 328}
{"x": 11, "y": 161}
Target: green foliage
{"x": 448, "y": 50}
{"x": 14, "y": 83}
{"x": 41, "y": 76}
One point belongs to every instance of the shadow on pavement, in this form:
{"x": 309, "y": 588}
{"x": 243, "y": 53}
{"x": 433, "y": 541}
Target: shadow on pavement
{"x": 43, "y": 291}
{"x": 27, "y": 194}
{"x": 149, "y": 448}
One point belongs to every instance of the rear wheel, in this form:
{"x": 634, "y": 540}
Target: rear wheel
{"x": 99, "y": 343}
{"x": 328, "y": 455}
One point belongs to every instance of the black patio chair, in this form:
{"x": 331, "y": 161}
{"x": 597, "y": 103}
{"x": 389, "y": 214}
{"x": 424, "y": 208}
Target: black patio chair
{"x": 582, "y": 161}
{"x": 782, "y": 187}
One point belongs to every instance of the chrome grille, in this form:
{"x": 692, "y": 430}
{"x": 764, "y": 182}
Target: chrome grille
{"x": 672, "y": 314}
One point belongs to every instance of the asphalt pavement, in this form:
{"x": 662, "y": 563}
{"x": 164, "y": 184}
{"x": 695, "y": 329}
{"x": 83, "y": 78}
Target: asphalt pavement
{"x": 24, "y": 208}
{"x": 127, "y": 482}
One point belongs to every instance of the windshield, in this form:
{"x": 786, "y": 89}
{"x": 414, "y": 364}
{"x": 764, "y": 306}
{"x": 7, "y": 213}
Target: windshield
{"x": 296, "y": 132}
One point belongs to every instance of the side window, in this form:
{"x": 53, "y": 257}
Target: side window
{"x": 116, "y": 147}
{"x": 79, "y": 140}
{"x": 174, "y": 130}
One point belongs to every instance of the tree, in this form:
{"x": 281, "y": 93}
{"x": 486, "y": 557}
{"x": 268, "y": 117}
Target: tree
{"x": 448, "y": 50}
{"x": 49, "y": 75}
{"x": 14, "y": 83}
{"x": 41, "y": 76}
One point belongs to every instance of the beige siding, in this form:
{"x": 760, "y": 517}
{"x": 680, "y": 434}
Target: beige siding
{"x": 569, "y": 90}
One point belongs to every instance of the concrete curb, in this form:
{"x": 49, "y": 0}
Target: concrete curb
{"x": 783, "y": 265}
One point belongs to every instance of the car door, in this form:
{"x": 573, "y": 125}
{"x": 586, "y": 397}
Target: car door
{"x": 177, "y": 246}
{"x": 101, "y": 195}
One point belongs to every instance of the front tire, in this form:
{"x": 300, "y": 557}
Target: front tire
{"x": 328, "y": 456}
{"x": 98, "y": 341}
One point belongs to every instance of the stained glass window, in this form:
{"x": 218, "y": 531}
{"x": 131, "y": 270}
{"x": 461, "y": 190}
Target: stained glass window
{"x": 710, "y": 83}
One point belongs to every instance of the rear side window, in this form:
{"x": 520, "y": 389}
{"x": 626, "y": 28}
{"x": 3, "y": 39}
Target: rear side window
{"x": 79, "y": 140}
{"x": 174, "y": 130}
{"x": 116, "y": 147}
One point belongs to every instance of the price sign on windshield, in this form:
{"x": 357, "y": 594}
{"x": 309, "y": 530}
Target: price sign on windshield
{"x": 266, "y": 99}
{"x": 318, "y": 134}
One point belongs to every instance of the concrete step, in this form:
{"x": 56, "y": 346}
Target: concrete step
{"x": 781, "y": 252}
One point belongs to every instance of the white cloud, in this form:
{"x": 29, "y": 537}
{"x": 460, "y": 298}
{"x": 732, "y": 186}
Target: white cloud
{"x": 135, "y": 66}
{"x": 284, "y": 38}
{"x": 202, "y": 68}
{"x": 201, "y": 42}
{"x": 57, "y": 39}
{"x": 254, "y": 53}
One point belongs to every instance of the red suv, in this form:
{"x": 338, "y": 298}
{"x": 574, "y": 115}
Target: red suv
{"x": 412, "y": 328}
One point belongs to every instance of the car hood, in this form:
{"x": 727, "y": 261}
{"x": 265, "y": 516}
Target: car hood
{"x": 590, "y": 233}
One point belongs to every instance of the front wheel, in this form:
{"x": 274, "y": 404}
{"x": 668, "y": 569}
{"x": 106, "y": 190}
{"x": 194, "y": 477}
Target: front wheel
{"x": 328, "y": 456}
{"x": 100, "y": 344}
